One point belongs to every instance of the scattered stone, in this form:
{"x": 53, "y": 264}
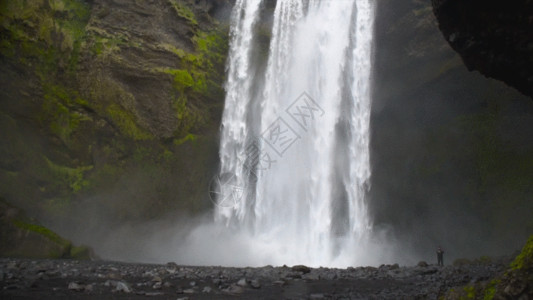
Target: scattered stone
{"x": 515, "y": 288}
{"x": 114, "y": 275}
{"x": 422, "y": 264}
{"x": 112, "y": 283}
{"x": 122, "y": 286}
{"x": 430, "y": 271}
{"x": 311, "y": 276}
{"x": 157, "y": 285}
{"x": 242, "y": 282}
{"x": 233, "y": 289}
{"x": 411, "y": 282}
{"x": 255, "y": 284}
{"x": 76, "y": 287}
{"x": 294, "y": 275}
{"x": 301, "y": 268}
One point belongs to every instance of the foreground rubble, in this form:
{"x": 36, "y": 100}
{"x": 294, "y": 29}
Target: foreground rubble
{"x": 62, "y": 279}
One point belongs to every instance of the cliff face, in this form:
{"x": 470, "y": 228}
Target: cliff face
{"x": 110, "y": 106}
{"x": 494, "y": 39}
{"x": 451, "y": 149}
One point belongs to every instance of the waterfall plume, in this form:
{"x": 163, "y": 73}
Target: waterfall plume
{"x": 294, "y": 149}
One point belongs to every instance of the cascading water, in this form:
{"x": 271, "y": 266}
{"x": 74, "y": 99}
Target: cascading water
{"x": 295, "y": 141}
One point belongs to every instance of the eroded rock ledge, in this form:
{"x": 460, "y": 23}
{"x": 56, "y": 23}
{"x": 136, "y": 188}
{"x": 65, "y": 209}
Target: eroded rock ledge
{"x": 494, "y": 39}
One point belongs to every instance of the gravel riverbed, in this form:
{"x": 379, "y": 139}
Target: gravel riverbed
{"x": 71, "y": 279}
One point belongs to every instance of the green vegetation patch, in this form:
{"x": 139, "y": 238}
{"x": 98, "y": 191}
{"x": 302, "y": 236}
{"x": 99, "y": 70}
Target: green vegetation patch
{"x": 127, "y": 122}
{"x": 49, "y": 234}
{"x": 189, "y": 137}
{"x": 182, "y": 79}
{"x": 490, "y": 290}
{"x": 46, "y": 34}
{"x": 198, "y": 80}
{"x": 525, "y": 258}
{"x": 184, "y": 12}
{"x": 519, "y": 271}
{"x": 103, "y": 43}
{"x": 470, "y": 292}
{"x": 60, "y": 109}
{"x": 71, "y": 177}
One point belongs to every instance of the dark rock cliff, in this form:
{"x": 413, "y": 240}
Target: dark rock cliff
{"x": 493, "y": 38}
{"x": 451, "y": 149}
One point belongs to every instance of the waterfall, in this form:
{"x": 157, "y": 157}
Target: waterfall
{"x": 294, "y": 150}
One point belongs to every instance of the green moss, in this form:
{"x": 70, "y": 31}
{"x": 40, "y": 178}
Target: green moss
{"x": 182, "y": 79}
{"x": 212, "y": 46}
{"x": 102, "y": 43}
{"x": 49, "y": 33}
{"x": 167, "y": 155}
{"x": 470, "y": 292}
{"x": 46, "y": 37}
{"x": 184, "y": 12}
{"x": 490, "y": 290}
{"x": 180, "y": 107}
{"x": 200, "y": 82}
{"x": 49, "y": 234}
{"x": 203, "y": 66}
{"x": 198, "y": 79}
{"x": 59, "y": 111}
{"x": 525, "y": 258}
{"x": 188, "y": 137}
{"x": 67, "y": 176}
{"x": 65, "y": 250}
{"x": 179, "y": 52}
{"x": 188, "y": 85}
{"x": 127, "y": 123}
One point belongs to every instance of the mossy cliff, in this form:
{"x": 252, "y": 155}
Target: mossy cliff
{"x": 515, "y": 283}
{"x": 23, "y": 237}
{"x": 112, "y": 105}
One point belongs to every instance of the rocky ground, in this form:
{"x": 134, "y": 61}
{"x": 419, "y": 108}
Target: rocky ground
{"x": 67, "y": 279}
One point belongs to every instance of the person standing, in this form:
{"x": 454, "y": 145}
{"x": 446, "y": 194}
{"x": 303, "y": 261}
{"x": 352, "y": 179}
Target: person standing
{"x": 440, "y": 254}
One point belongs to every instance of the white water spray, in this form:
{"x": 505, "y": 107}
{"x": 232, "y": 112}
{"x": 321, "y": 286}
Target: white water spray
{"x": 295, "y": 142}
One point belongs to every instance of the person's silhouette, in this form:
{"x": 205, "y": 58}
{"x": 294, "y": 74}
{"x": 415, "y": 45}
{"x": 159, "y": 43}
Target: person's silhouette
{"x": 440, "y": 254}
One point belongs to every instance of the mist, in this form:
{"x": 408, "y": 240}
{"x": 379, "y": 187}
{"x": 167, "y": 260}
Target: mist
{"x": 199, "y": 241}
